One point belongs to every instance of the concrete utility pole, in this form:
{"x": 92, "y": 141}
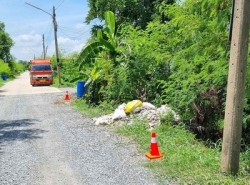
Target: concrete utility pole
{"x": 231, "y": 22}
{"x": 44, "y": 54}
{"x": 56, "y": 44}
{"x": 236, "y": 88}
{"x": 55, "y": 34}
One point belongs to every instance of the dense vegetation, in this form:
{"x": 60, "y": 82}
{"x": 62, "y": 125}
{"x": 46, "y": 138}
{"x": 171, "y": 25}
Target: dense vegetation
{"x": 8, "y": 66}
{"x": 137, "y": 13}
{"x": 181, "y": 61}
{"x": 5, "y": 44}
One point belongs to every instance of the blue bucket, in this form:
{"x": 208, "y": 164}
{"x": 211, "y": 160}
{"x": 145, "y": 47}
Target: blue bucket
{"x": 4, "y": 77}
{"x": 80, "y": 89}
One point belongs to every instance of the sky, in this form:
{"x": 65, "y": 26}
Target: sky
{"x": 26, "y": 25}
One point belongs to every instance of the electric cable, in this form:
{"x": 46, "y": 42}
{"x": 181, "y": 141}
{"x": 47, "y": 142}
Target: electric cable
{"x": 48, "y": 35}
{"x": 74, "y": 36}
{"x": 59, "y": 4}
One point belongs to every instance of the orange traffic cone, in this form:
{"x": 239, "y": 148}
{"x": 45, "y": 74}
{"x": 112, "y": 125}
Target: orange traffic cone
{"x": 66, "y": 97}
{"x": 154, "y": 151}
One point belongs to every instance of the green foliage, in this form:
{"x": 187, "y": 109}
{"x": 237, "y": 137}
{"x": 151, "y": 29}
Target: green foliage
{"x": 11, "y": 69}
{"x": 4, "y": 68}
{"x": 98, "y": 59}
{"x": 182, "y": 61}
{"x": 138, "y": 13}
{"x": 25, "y": 64}
{"x": 90, "y": 110}
{"x": 197, "y": 40}
{"x": 148, "y": 63}
{"x": 16, "y": 68}
{"x": 5, "y": 44}
{"x": 68, "y": 69}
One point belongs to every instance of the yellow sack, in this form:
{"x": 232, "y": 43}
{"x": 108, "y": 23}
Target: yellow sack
{"x": 132, "y": 105}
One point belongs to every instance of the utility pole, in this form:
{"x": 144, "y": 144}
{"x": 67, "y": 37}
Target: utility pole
{"x": 231, "y": 22}
{"x": 44, "y": 54}
{"x": 46, "y": 50}
{"x": 56, "y": 44}
{"x": 55, "y": 35}
{"x": 235, "y": 88}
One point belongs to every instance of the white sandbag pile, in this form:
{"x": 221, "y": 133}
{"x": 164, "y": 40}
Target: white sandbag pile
{"x": 136, "y": 110}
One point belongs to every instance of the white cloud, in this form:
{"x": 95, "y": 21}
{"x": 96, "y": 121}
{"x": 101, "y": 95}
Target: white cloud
{"x": 62, "y": 40}
{"x": 27, "y": 46}
{"x": 78, "y": 47}
{"x": 66, "y": 44}
{"x": 70, "y": 45}
{"x": 28, "y": 39}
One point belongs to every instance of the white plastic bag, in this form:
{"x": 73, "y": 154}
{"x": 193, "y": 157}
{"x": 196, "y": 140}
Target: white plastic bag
{"x": 122, "y": 106}
{"x": 149, "y": 106}
{"x": 118, "y": 114}
{"x": 103, "y": 120}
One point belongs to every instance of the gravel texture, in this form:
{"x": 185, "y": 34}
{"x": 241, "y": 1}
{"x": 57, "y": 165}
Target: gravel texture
{"x": 44, "y": 141}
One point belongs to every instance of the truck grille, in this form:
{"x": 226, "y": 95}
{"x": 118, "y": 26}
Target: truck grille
{"x": 42, "y": 77}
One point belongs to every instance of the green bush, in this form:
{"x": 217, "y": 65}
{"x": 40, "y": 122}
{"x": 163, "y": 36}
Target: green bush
{"x": 4, "y": 68}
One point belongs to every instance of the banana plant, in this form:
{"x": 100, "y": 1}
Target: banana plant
{"x": 101, "y": 52}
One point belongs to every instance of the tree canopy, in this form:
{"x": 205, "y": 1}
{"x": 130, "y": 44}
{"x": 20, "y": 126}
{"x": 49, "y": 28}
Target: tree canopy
{"x": 137, "y": 13}
{"x": 5, "y": 44}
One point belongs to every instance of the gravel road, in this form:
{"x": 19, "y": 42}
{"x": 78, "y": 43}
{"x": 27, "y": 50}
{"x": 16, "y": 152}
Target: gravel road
{"x": 44, "y": 141}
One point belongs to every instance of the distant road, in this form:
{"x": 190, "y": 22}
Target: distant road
{"x": 21, "y": 85}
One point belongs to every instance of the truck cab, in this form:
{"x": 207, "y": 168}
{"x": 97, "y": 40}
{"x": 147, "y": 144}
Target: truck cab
{"x": 41, "y": 72}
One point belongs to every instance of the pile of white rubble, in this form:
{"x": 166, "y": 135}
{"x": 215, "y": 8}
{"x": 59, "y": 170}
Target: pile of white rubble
{"x": 147, "y": 112}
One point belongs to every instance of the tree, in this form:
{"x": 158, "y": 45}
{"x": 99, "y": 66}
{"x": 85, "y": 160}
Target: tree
{"x": 192, "y": 54}
{"x": 5, "y": 44}
{"x": 137, "y": 13}
{"x": 104, "y": 49}
{"x": 99, "y": 57}
{"x": 4, "y": 68}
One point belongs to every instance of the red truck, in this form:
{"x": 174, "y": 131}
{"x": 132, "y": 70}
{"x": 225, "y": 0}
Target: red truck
{"x": 41, "y": 72}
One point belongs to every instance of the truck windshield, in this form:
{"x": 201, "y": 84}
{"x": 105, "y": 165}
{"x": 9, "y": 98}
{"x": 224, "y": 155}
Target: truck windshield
{"x": 41, "y": 68}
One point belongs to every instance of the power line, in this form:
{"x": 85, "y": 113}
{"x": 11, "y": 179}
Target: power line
{"x": 60, "y": 4}
{"x": 48, "y": 27}
{"x": 72, "y": 29}
{"x": 48, "y": 35}
{"x": 73, "y": 34}
{"x": 73, "y": 37}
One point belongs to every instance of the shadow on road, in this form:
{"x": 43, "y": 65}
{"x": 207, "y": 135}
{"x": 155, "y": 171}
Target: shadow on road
{"x": 15, "y": 130}
{"x": 2, "y": 91}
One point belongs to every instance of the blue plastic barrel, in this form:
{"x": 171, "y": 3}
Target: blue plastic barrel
{"x": 4, "y": 77}
{"x": 80, "y": 89}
